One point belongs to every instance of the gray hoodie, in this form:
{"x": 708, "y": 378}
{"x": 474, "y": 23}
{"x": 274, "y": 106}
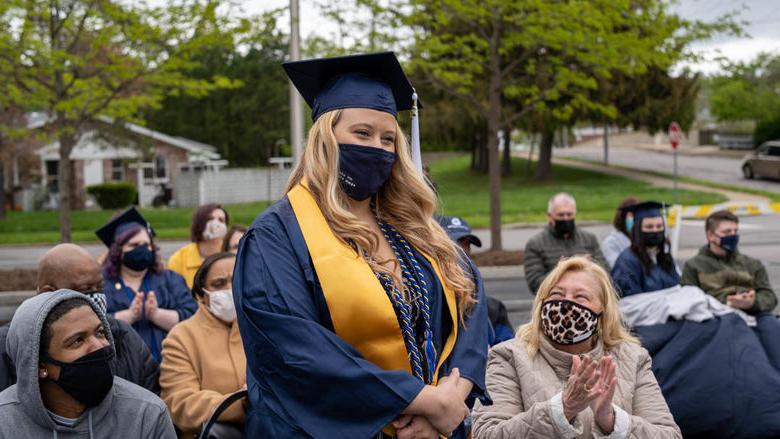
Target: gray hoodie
{"x": 129, "y": 411}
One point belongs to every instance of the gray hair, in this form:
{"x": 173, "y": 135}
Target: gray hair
{"x": 561, "y": 196}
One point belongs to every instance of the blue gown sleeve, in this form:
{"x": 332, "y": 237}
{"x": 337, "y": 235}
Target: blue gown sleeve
{"x": 180, "y": 295}
{"x": 471, "y": 348}
{"x": 115, "y": 300}
{"x": 627, "y": 274}
{"x": 302, "y": 374}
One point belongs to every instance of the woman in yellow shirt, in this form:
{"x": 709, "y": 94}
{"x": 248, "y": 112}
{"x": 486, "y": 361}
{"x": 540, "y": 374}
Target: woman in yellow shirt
{"x": 209, "y": 226}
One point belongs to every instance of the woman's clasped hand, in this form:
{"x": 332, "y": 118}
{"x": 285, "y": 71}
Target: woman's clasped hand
{"x": 591, "y": 384}
{"x": 441, "y": 410}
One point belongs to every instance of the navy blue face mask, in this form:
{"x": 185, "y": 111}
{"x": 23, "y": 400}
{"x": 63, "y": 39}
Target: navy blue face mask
{"x": 363, "y": 170}
{"x": 729, "y": 243}
{"x": 139, "y": 258}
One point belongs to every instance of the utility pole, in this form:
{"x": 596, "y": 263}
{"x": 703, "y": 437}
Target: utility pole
{"x": 296, "y": 106}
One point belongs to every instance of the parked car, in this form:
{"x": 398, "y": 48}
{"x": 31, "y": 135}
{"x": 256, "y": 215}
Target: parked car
{"x": 763, "y": 162}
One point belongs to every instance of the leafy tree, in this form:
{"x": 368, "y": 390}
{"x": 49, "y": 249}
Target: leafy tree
{"x": 78, "y": 60}
{"x": 539, "y": 62}
{"x": 747, "y": 90}
{"x": 11, "y": 119}
{"x": 248, "y": 123}
{"x": 655, "y": 98}
{"x": 360, "y": 26}
{"x": 767, "y": 129}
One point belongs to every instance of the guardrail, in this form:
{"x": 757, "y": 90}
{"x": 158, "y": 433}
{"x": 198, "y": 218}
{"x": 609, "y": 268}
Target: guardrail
{"x": 704, "y": 210}
{"x": 739, "y": 209}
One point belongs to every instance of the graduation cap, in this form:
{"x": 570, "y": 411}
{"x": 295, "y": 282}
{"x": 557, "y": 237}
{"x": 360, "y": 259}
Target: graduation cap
{"x": 374, "y": 80}
{"x": 123, "y": 222}
{"x": 457, "y": 228}
{"x": 647, "y": 209}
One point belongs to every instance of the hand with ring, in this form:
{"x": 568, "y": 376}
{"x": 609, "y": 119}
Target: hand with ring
{"x": 603, "y": 412}
{"x": 582, "y": 387}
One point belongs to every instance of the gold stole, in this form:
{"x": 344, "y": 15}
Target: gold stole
{"x": 359, "y": 307}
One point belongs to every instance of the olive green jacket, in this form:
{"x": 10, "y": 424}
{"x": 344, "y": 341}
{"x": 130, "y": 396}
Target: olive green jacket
{"x": 734, "y": 273}
{"x": 544, "y": 250}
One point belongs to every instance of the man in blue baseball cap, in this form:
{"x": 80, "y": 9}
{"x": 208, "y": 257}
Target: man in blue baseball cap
{"x": 459, "y": 231}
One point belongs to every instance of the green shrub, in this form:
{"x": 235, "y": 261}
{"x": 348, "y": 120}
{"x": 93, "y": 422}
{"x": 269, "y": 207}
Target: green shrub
{"x": 113, "y": 195}
{"x": 766, "y": 130}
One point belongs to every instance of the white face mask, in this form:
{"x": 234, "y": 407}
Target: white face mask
{"x": 215, "y": 229}
{"x": 221, "y": 305}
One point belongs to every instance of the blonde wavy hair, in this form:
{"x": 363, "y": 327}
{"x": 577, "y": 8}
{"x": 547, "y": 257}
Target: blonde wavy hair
{"x": 611, "y": 329}
{"x": 406, "y": 201}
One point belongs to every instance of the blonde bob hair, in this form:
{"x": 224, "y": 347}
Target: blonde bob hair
{"x": 406, "y": 201}
{"x": 611, "y": 330}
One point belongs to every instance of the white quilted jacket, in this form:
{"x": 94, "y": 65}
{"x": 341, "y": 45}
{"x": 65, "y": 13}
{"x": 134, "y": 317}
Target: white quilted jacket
{"x": 526, "y": 395}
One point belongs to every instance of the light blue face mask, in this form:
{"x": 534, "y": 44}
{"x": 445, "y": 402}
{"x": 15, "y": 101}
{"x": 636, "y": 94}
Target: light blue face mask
{"x": 629, "y": 223}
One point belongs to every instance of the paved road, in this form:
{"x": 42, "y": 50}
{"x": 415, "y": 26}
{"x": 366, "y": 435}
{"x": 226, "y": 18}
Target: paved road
{"x": 760, "y": 238}
{"x": 718, "y": 169}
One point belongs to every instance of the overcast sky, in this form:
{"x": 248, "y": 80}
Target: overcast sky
{"x": 763, "y": 27}
{"x": 762, "y": 17}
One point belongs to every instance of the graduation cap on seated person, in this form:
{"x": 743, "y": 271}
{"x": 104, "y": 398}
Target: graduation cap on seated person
{"x": 647, "y": 209}
{"x": 121, "y": 223}
{"x": 374, "y": 80}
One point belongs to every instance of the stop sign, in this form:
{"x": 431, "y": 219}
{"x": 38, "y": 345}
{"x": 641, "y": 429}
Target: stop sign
{"x": 675, "y": 134}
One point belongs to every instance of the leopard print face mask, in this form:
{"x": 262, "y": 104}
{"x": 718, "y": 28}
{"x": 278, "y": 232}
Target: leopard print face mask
{"x": 567, "y": 322}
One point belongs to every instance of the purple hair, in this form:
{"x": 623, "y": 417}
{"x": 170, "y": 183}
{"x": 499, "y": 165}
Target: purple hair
{"x": 113, "y": 261}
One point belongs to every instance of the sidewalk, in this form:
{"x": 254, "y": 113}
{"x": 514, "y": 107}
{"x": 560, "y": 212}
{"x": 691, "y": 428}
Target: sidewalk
{"x": 643, "y": 141}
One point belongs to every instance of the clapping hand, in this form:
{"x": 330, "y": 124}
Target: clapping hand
{"x": 150, "y": 306}
{"x": 133, "y": 312}
{"x": 581, "y": 388}
{"x": 591, "y": 384}
{"x": 601, "y": 406}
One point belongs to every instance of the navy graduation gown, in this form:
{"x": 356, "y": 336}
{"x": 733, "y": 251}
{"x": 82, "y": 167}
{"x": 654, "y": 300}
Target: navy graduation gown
{"x": 303, "y": 379}
{"x": 631, "y": 277}
{"x": 171, "y": 292}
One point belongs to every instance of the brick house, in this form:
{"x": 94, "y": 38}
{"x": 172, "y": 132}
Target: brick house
{"x": 150, "y": 159}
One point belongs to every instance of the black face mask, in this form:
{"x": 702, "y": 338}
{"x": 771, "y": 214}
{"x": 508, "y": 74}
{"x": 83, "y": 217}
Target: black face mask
{"x": 138, "y": 259}
{"x": 363, "y": 170}
{"x": 564, "y": 227}
{"x": 88, "y": 379}
{"x": 729, "y": 243}
{"x": 653, "y": 239}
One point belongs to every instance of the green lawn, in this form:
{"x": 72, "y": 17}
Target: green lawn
{"x": 465, "y": 193}
{"x": 173, "y": 223}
